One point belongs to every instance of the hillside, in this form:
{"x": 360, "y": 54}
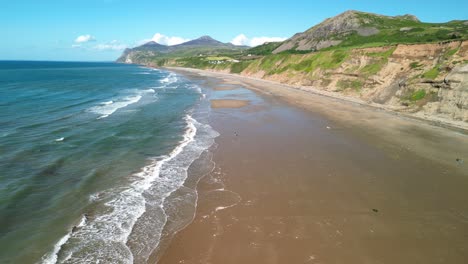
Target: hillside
{"x": 398, "y": 63}
{"x": 360, "y": 29}
{"x": 155, "y": 53}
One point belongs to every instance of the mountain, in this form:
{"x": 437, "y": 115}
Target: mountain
{"x": 152, "y": 51}
{"x": 203, "y": 41}
{"x": 153, "y": 45}
{"x": 355, "y": 28}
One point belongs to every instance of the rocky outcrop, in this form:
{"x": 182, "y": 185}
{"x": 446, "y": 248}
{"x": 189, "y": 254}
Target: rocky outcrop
{"x": 452, "y": 94}
{"x": 332, "y": 31}
{"x": 319, "y": 36}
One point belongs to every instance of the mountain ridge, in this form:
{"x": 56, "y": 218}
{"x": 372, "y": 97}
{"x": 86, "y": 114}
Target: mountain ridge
{"x": 202, "y": 45}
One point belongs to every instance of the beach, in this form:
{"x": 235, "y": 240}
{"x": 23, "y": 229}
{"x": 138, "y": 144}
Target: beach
{"x": 304, "y": 178}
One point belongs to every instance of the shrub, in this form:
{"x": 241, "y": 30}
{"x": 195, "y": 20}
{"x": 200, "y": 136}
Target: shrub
{"x": 418, "y": 95}
{"x": 432, "y": 73}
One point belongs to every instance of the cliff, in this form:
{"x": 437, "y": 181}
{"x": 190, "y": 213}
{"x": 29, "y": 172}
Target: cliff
{"x": 423, "y": 79}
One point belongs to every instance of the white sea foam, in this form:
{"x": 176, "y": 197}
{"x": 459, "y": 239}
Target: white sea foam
{"x": 83, "y": 221}
{"x": 59, "y": 139}
{"x": 151, "y": 90}
{"x": 52, "y": 257}
{"x": 107, "y": 235}
{"x": 171, "y": 78}
{"x": 107, "y": 108}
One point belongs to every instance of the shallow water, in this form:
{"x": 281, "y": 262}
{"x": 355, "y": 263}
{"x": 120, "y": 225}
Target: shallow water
{"x": 88, "y": 154}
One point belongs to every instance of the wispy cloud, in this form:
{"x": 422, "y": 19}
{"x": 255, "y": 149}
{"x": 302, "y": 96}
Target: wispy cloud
{"x": 243, "y": 40}
{"x": 113, "y": 45}
{"x": 84, "y": 39}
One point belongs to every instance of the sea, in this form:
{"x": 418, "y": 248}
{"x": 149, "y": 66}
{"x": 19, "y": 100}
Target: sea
{"x": 94, "y": 160}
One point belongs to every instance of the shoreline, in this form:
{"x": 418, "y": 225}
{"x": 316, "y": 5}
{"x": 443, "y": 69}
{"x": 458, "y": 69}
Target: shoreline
{"x": 326, "y": 194}
{"x": 386, "y": 129}
{"x": 433, "y": 120}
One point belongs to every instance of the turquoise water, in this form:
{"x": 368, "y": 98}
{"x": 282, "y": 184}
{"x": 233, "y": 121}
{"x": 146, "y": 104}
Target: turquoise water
{"x": 89, "y": 152}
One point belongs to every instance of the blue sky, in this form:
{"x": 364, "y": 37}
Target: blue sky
{"x": 51, "y": 29}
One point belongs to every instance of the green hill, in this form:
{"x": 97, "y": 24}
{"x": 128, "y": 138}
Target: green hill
{"x": 360, "y": 29}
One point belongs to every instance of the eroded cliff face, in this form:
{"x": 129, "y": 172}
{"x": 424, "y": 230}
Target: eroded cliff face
{"x": 424, "y": 79}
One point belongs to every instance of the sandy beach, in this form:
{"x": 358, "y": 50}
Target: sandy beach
{"x": 303, "y": 178}
{"x": 228, "y": 103}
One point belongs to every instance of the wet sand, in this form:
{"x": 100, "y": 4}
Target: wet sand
{"x": 225, "y": 87}
{"x": 309, "y": 179}
{"x": 228, "y": 103}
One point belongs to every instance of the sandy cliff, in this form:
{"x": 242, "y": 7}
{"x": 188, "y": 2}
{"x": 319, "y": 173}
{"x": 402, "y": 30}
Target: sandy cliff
{"x": 424, "y": 79}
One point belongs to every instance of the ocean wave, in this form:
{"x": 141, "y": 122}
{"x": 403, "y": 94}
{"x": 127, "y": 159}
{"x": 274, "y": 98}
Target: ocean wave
{"x": 151, "y": 90}
{"x": 107, "y": 236}
{"x": 53, "y": 256}
{"x": 170, "y": 79}
{"x": 107, "y": 108}
{"x": 107, "y": 103}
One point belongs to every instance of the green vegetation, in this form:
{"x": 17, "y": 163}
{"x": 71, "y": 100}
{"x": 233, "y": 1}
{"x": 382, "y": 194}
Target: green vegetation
{"x": 432, "y": 73}
{"x": 239, "y": 66}
{"x": 380, "y": 59}
{"x": 218, "y": 58}
{"x": 269, "y": 63}
{"x": 346, "y": 84}
{"x": 451, "y": 52}
{"x": 383, "y": 54}
{"x": 324, "y": 60}
{"x": 417, "y": 95}
{"x": 371, "y": 69}
{"x": 193, "y": 62}
{"x": 403, "y": 31}
{"x": 278, "y": 63}
{"x": 264, "y": 49}
{"x": 415, "y": 65}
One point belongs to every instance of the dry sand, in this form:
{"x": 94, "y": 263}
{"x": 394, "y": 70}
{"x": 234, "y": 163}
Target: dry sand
{"x": 338, "y": 183}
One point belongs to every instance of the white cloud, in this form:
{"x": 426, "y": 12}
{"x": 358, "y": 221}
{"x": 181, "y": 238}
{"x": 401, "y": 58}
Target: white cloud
{"x": 166, "y": 40}
{"x": 76, "y": 46}
{"x": 113, "y": 45}
{"x": 242, "y": 39}
{"x": 84, "y": 39}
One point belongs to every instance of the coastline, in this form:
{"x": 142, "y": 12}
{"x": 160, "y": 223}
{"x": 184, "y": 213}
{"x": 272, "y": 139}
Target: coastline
{"x": 437, "y": 121}
{"x": 333, "y": 190}
{"x": 387, "y": 129}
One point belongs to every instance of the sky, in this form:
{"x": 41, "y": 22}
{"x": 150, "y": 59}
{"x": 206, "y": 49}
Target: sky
{"x": 99, "y": 30}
